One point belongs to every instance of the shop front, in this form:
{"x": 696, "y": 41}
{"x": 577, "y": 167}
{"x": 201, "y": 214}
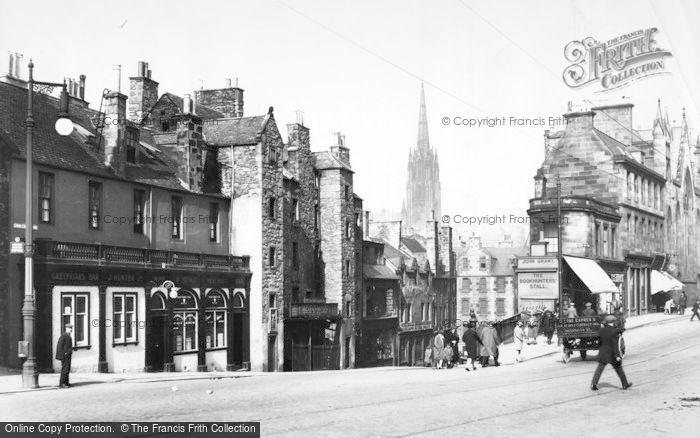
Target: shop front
{"x": 380, "y": 342}
{"x": 312, "y": 337}
{"x": 414, "y": 337}
{"x": 130, "y": 315}
{"x": 584, "y": 281}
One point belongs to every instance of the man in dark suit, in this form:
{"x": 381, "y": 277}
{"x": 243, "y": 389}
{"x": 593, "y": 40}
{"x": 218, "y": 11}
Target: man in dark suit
{"x": 609, "y": 353}
{"x": 64, "y": 353}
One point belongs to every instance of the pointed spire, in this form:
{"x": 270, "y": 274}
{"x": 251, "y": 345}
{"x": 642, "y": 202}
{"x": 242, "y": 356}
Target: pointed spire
{"x": 423, "y": 139}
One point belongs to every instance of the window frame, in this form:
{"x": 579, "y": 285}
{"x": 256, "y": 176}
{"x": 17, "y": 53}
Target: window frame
{"x": 123, "y": 339}
{"x": 176, "y": 218}
{"x": 46, "y": 180}
{"x": 272, "y": 257}
{"x": 72, "y": 317}
{"x": 214, "y": 220}
{"x": 139, "y": 204}
{"x": 94, "y": 205}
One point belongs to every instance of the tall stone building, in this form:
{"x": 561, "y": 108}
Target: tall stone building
{"x": 630, "y": 206}
{"x": 422, "y": 202}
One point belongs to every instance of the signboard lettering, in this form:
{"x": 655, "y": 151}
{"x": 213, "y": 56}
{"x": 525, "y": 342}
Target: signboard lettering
{"x": 538, "y": 285}
{"x": 537, "y": 262}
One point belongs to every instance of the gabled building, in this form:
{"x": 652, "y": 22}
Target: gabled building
{"x": 425, "y": 268}
{"x": 630, "y": 204}
{"x": 485, "y": 280}
{"x": 125, "y": 250}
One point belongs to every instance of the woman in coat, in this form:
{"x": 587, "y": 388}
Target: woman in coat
{"x": 471, "y": 341}
{"x": 518, "y": 340}
{"x": 438, "y": 347}
{"x": 489, "y": 345}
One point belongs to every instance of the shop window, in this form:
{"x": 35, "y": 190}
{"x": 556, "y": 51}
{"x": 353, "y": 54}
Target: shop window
{"x": 46, "y": 190}
{"x": 75, "y": 310}
{"x": 124, "y": 318}
{"x": 238, "y": 301}
{"x": 185, "y": 322}
{"x": 215, "y": 320}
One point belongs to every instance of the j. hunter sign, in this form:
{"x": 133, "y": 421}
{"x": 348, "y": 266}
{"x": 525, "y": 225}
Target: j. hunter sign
{"x": 616, "y": 62}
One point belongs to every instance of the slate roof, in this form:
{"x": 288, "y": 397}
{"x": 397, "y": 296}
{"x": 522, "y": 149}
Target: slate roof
{"x": 74, "y": 152}
{"x": 413, "y": 245}
{"x": 613, "y": 145}
{"x": 379, "y": 272}
{"x": 235, "y": 131}
{"x": 326, "y": 160}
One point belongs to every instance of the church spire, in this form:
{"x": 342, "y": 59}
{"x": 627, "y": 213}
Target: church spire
{"x": 423, "y": 139}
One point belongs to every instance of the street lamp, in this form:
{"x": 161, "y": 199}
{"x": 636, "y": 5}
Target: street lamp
{"x": 64, "y": 126}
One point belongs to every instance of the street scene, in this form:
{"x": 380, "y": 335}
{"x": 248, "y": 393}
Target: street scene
{"x": 536, "y": 395}
{"x": 317, "y": 218}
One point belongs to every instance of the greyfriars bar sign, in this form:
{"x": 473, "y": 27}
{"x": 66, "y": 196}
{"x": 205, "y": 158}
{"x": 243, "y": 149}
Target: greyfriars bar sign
{"x": 616, "y": 62}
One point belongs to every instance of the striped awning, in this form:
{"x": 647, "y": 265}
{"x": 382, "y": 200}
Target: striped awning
{"x": 592, "y": 275}
{"x": 663, "y": 282}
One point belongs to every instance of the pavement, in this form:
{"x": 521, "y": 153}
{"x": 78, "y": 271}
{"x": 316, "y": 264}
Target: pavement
{"x": 539, "y": 397}
{"x": 11, "y": 380}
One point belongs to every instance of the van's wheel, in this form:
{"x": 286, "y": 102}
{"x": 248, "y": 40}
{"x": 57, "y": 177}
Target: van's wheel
{"x": 565, "y": 355}
{"x": 583, "y": 353}
{"x": 621, "y": 346}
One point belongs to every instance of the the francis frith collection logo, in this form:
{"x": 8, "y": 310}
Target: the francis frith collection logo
{"x": 616, "y": 62}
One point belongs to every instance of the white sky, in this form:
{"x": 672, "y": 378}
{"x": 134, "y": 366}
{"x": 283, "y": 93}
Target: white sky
{"x": 355, "y": 67}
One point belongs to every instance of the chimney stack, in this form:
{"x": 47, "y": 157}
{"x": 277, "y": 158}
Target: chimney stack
{"x": 114, "y": 131}
{"x": 10, "y": 70}
{"x": 340, "y": 151}
{"x": 18, "y": 61}
{"x": 367, "y": 236}
{"x": 227, "y": 100}
{"x": 143, "y": 93}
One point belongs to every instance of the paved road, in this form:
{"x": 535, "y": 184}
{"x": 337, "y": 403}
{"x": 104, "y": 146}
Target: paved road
{"x": 540, "y": 397}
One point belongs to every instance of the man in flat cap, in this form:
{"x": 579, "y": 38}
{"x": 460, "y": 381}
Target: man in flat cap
{"x": 609, "y": 353}
{"x": 64, "y": 353}
{"x": 589, "y": 311}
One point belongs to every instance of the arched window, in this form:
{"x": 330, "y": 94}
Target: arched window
{"x": 215, "y": 319}
{"x": 157, "y": 302}
{"x": 185, "y": 322}
{"x": 239, "y": 301}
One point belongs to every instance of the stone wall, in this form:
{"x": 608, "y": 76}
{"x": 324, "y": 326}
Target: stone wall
{"x": 228, "y": 101}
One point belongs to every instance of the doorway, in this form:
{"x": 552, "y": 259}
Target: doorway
{"x": 271, "y": 353}
{"x": 155, "y": 353}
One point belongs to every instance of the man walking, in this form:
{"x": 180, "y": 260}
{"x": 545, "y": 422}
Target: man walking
{"x": 489, "y": 345}
{"x": 471, "y": 344}
{"x": 683, "y": 301}
{"x": 518, "y": 340}
{"x": 589, "y": 311}
{"x": 609, "y": 353}
{"x": 548, "y": 325}
{"x": 64, "y": 353}
{"x": 695, "y": 308}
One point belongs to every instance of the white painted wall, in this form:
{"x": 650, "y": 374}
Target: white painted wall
{"x": 126, "y": 358}
{"x": 84, "y": 359}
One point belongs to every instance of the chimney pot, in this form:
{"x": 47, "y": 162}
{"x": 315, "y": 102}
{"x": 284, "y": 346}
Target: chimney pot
{"x": 82, "y": 87}
{"x": 235, "y": 82}
{"x": 18, "y": 57}
{"x": 148, "y": 73}
{"x": 228, "y": 83}
{"x": 187, "y": 104}
{"x": 10, "y": 70}
{"x": 141, "y": 69}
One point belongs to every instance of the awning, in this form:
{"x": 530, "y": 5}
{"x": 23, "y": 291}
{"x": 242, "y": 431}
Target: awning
{"x": 663, "y": 282}
{"x": 597, "y": 281}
